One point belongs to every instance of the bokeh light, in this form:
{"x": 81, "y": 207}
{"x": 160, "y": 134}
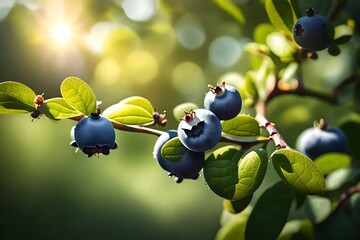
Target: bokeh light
{"x": 188, "y": 79}
{"x": 189, "y": 32}
{"x": 5, "y": 7}
{"x": 225, "y": 51}
{"x": 107, "y": 72}
{"x": 121, "y": 42}
{"x": 141, "y": 67}
{"x": 96, "y": 37}
{"x": 139, "y": 10}
{"x": 61, "y": 34}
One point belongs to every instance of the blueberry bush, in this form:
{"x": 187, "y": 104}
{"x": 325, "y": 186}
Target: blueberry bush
{"x": 229, "y": 137}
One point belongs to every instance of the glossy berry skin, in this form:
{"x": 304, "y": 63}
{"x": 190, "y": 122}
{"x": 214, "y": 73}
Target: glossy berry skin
{"x": 94, "y": 134}
{"x": 199, "y": 130}
{"x": 188, "y": 167}
{"x": 315, "y": 141}
{"x": 313, "y": 32}
{"x": 224, "y": 101}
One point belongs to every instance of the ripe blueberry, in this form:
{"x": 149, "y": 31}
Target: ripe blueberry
{"x": 199, "y": 130}
{"x": 321, "y": 139}
{"x": 188, "y": 167}
{"x": 313, "y": 31}
{"x": 224, "y": 101}
{"x": 94, "y": 134}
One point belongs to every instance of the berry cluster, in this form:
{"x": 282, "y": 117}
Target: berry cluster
{"x": 199, "y": 130}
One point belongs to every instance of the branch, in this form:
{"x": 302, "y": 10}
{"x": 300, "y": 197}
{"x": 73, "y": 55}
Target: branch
{"x": 128, "y": 128}
{"x": 335, "y": 9}
{"x": 301, "y": 90}
{"x": 344, "y": 197}
{"x": 270, "y": 127}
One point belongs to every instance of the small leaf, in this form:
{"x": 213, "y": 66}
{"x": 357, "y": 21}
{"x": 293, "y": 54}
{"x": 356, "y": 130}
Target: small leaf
{"x": 179, "y": 110}
{"x": 298, "y": 171}
{"x": 296, "y": 8}
{"x": 221, "y": 171}
{"x": 128, "y": 114}
{"x": 251, "y": 172}
{"x": 343, "y": 34}
{"x": 339, "y": 178}
{"x": 355, "y": 206}
{"x": 241, "y": 125}
{"x": 317, "y": 208}
{"x": 334, "y": 49}
{"x": 140, "y": 102}
{"x": 330, "y": 162}
{"x": 280, "y": 46}
{"x": 232, "y": 176}
{"x": 281, "y": 14}
{"x": 16, "y": 97}
{"x": 232, "y": 9}
{"x": 257, "y": 48}
{"x": 58, "y": 108}
{"x": 343, "y": 39}
{"x": 270, "y": 213}
{"x": 173, "y": 150}
{"x": 262, "y": 31}
{"x": 78, "y": 95}
{"x": 234, "y": 229}
{"x": 297, "y": 229}
{"x": 237, "y": 205}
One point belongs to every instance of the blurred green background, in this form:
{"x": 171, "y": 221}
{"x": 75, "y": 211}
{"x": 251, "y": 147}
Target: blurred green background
{"x": 167, "y": 51}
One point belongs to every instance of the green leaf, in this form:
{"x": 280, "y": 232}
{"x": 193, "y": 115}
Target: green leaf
{"x": 355, "y": 206}
{"x": 173, "y": 150}
{"x": 297, "y": 229}
{"x": 232, "y": 176}
{"x": 58, "y": 108}
{"x": 280, "y": 46}
{"x": 296, "y": 8}
{"x": 79, "y": 95}
{"x": 241, "y": 125}
{"x": 261, "y": 31}
{"x": 221, "y": 171}
{"x": 237, "y": 205}
{"x": 179, "y": 110}
{"x": 298, "y": 171}
{"x": 281, "y": 14}
{"x": 317, "y": 208}
{"x": 16, "y": 97}
{"x": 140, "y": 102}
{"x": 343, "y": 34}
{"x": 264, "y": 77}
{"x": 232, "y": 9}
{"x": 270, "y": 213}
{"x": 234, "y": 229}
{"x": 257, "y": 48}
{"x": 251, "y": 172}
{"x": 341, "y": 178}
{"x": 330, "y": 162}
{"x": 131, "y": 111}
{"x": 343, "y": 39}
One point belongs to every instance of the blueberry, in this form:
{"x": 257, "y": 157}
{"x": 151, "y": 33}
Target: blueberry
{"x": 199, "y": 130}
{"x": 188, "y": 167}
{"x": 94, "y": 134}
{"x": 313, "y": 31}
{"x": 224, "y": 101}
{"x": 322, "y": 139}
